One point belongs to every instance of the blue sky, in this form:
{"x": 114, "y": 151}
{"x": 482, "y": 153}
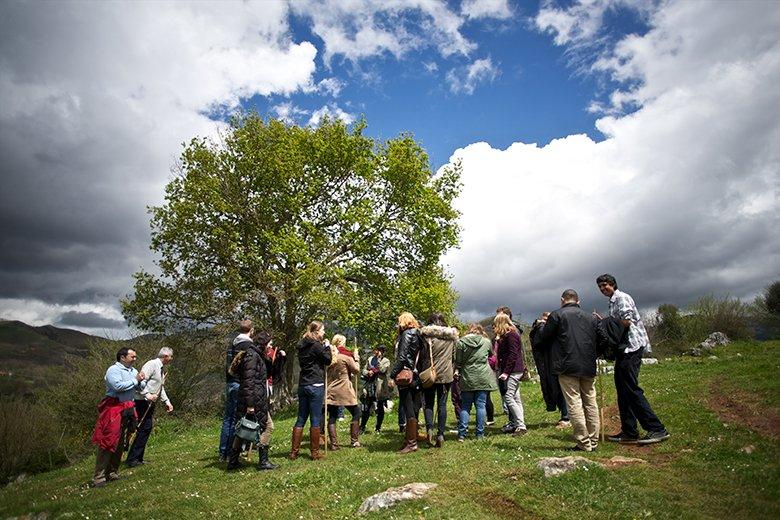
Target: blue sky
{"x": 623, "y": 136}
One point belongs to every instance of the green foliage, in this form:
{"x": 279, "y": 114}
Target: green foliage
{"x": 727, "y": 315}
{"x": 287, "y": 224}
{"x": 772, "y": 297}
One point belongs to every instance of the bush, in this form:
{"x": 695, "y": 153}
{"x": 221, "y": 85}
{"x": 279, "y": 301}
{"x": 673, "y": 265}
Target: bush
{"x": 727, "y": 315}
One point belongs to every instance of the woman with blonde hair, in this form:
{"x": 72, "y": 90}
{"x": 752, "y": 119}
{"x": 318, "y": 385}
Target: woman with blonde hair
{"x": 510, "y": 368}
{"x": 314, "y": 357}
{"x": 405, "y": 375}
{"x": 341, "y": 392}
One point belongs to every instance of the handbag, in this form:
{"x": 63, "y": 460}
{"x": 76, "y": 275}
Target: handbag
{"x": 428, "y": 376}
{"x": 247, "y": 429}
{"x": 404, "y": 378}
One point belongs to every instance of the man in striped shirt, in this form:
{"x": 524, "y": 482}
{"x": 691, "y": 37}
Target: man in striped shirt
{"x": 632, "y": 402}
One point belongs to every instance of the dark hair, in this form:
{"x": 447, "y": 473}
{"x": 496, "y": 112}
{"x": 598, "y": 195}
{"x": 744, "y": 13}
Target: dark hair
{"x": 570, "y": 295}
{"x": 506, "y": 310}
{"x": 262, "y": 338}
{"x": 437, "y": 318}
{"x": 607, "y": 278}
{"x": 380, "y": 348}
{"x": 312, "y": 330}
{"x": 245, "y": 326}
{"x": 122, "y": 352}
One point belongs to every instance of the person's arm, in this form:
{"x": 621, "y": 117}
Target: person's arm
{"x": 402, "y": 355}
{"x": 512, "y": 353}
{"x": 116, "y": 383}
{"x": 625, "y": 310}
{"x": 352, "y": 366}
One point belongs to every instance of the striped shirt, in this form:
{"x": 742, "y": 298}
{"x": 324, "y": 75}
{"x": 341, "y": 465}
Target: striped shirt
{"x": 622, "y": 306}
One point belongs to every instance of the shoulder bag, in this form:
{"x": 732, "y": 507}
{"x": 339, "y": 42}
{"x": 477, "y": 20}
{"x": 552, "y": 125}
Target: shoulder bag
{"x": 428, "y": 376}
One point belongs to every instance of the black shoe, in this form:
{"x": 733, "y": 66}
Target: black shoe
{"x": 623, "y": 438}
{"x": 134, "y": 463}
{"x": 653, "y": 437}
{"x": 577, "y": 448}
{"x": 264, "y": 463}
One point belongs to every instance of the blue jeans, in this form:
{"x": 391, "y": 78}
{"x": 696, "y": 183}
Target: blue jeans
{"x": 310, "y": 400}
{"x": 228, "y": 419}
{"x": 479, "y": 397}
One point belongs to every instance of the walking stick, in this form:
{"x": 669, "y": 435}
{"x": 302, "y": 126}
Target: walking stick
{"x": 326, "y": 413}
{"x": 601, "y": 402}
{"x": 157, "y": 396}
{"x": 358, "y": 372}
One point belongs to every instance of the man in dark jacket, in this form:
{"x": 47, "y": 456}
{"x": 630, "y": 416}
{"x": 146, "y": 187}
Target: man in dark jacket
{"x": 551, "y": 388}
{"x": 241, "y": 342}
{"x": 572, "y": 336}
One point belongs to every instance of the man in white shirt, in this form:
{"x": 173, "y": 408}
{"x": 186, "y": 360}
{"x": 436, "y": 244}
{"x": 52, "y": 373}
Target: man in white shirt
{"x": 145, "y": 400}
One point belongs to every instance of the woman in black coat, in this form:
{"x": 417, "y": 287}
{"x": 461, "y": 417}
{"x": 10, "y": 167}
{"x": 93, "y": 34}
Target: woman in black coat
{"x": 252, "y": 399}
{"x": 409, "y": 344}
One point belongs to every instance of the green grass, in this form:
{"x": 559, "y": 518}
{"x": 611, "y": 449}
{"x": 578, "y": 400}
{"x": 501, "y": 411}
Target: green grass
{"x": 699, "y": 473}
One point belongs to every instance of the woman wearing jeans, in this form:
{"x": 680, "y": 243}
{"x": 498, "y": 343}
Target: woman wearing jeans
{"x": 510, "y": 368}
{"x": 438, "y": 340}
{"x": 477, "y": 379}
{"x": 314, "y": 357}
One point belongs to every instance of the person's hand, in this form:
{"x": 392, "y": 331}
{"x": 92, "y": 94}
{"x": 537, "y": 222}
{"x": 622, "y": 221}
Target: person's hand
{"x": 169, "y": 407}
{"x": 140, "y": 377}
{"x": 503, "y": 377}
{"x": 596, "y": 314}
{"x": 151, "y": 397}
{"x": 250, "y": 410}
{"x": 356, "y": 355}
{"x": 281, "y": 353}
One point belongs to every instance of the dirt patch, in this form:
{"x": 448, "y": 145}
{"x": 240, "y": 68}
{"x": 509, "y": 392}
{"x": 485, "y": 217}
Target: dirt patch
{"x": 742, "y": 409}
{"x": 504, "y": 507}
{"x": 611, "y": 423}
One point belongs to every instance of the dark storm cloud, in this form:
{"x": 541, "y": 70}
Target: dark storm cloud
{"x": 91, "y": 320}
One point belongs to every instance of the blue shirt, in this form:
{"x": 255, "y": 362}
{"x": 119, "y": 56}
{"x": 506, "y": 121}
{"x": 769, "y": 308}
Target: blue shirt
{"x": 121, "y": 382}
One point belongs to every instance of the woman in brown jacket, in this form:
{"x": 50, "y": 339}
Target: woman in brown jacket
{"x": 342, "y": 393}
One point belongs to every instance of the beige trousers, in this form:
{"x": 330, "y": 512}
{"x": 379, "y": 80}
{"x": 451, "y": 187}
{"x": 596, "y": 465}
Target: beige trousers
{"x": 265, "y": 437}
{"x": 580, "y": 395}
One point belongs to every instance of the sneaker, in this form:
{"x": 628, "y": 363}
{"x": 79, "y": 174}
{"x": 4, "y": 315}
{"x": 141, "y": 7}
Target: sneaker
{"x": 490, "y": 423}
{"x": 623, "y": 438}
{"x": 519, "y": 432}
{"x": 508, "y": 428}
{"x": 653, "y": 437}
{"x": 562, "y": 425}
{"x": 134, "y": 463}
{"x": 461, "y": 439}
{"x": 452, "y": 431}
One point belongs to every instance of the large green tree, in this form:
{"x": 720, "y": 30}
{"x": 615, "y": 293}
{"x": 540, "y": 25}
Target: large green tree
{"x": 286, "y": 224}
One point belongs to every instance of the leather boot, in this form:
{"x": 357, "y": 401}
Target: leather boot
{"x": 233, "y": 453}
{"x": 333, "y": 439}
{"x": 296, "y": 442}
{"x": 314, "y": 444}
{"x": 411, "y": 437}
{"x": 354, "y": 434}
{"x": 264, "y": 463}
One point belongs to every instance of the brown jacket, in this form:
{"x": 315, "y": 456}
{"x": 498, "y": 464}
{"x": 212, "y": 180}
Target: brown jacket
{"x": 442, "y": 342}
{"x": 340, "y": 377}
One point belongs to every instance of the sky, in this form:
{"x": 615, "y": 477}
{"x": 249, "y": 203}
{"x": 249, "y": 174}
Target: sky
{"x": 632, "y": 137}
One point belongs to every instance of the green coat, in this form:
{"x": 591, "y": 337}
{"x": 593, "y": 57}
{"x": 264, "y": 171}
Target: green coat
{"x": 471, "y": 357}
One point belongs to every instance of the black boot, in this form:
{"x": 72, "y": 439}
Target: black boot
{"x": 264, "y": 463}
{"x": 233, "y": 453}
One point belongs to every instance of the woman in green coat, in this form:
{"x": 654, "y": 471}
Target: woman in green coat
{"x": 476, "y": 377}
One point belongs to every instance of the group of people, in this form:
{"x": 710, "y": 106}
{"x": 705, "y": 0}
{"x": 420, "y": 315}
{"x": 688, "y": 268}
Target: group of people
{"x": 431, "y": 363}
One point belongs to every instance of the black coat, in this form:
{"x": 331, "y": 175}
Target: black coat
{"x": 314, "y": 358}
{"x": 252, "y": 392}
{"x": 233, "y": 349}
{"x": 409, "y": 344}
{"x": 615, "y": 336}
{"x": 551, "y": 388}
{"x": 572, "y": 336}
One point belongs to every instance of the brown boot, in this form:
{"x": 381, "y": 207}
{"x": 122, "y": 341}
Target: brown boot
{"x": 411, "y": 437}
{"x": 296, "y": 442}
{"x": 354, "y": 434}
{"x": 314, "y": 443}
{"x": 333, "y": 440}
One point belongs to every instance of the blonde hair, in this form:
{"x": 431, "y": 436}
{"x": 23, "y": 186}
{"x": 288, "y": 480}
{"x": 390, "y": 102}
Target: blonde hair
{"x": 407, "y": 321}
{"x": 476, "y": 328}
{"x": 312, "y": 329}
{"x": 502, "y": 325}
{"x": 339, "y": 340}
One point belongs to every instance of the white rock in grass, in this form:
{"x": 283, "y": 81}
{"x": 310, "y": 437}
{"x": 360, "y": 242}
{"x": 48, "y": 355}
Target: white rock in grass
{"x": 649, "y": 361}
{"x": 554, "y": 466}
{"x": 393, "y": 496}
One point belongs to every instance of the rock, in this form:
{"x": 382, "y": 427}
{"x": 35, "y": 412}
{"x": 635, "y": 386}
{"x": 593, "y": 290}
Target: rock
{"x": 393, "y": 496}
{"x": 712, "y": 357}
{"x": 716, "y": 339}
{"x": 554, "y": 466}
{"x": 748, "y": 449}
{"x": 649, "y": 361}
{"x": 620, "y": 460}
{"x": 21, "y": 478}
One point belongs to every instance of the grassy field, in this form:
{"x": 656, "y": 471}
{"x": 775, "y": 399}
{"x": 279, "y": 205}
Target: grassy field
{"x": 723, "y": 460}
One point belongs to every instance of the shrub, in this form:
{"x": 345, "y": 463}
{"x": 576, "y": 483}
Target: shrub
{"x": 727, "y": 315}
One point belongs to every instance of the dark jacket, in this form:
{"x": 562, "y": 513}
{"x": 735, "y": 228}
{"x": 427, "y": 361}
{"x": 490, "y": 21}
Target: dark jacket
{"x": 252, "y": 392}
{"x": 510, "y": 353}
{"x": 615, "y": 338}
{"x": 572, "y": 336}
{"x": 314, "y": 358}
{"x": 551, "y": 388}
{"x": 409, "y": 344}
{"x": 239, "y": 344}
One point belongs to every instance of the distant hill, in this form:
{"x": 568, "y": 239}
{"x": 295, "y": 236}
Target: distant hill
{"x": 30, "y": 356}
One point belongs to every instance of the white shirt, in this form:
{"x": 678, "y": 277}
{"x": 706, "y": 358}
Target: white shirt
{"x": 153, "y": 370}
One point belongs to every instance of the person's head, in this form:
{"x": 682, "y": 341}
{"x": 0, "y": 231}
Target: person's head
{"x": 437, "y": 318}
{"x": 505, "y": 310}
{"x": 379, "y": 351}
{"x": 502, "y": 324}
{"x": 315, "y": 331}
{"x": 165, "y": 355}
{"x": 339, "y": 340}
{"x": 262, "y": 339}
{"x": 245, "y": 327}
{"x": 407, "y": 321}
{"x": 545, "y": 315}
{"x": 569, "y": 296}
{"x": 476, "y": 328}
{"x": 607, "y": 284}
{"x": 126, "y": 356}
